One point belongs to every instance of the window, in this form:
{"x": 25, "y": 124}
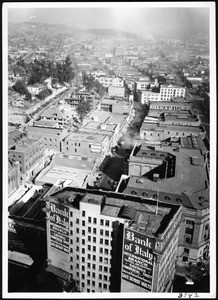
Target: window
{"x": 101, "y": 241}
{"x": 71, "y": 214}
{"x": 94, "y": 257}
{"x": 83, "y": 276}
{"x": 94, "y": 239}
{"x": 77, "y": 248}
{"x": 106, "y": 251}
{"x": 83, "y": 223}
{"x": 145, "y": 194}
{"x": 101, "y": 250}
{"x": 71, "y": 258}
{"x": 133, "y": 192}
{"x": 83, "y": 250}
{"x": 71, "y": 267}
{"x": 71, "y": 223}
{"x": 89, "y": 219}
{"x": 89, "y": 256}
{"x": 93, "y": 266}
{"x": 94, "y": 248}
{"x": 77, "y": 230}
{"x": 77, "y": 266}
{"x": 100, "y": 276}
{"x": 188, "y": 239}
{"x": 77, "y": 257}
{"x": 93, "y": 275}
{"x": 102, "y": 222}
{"x": 88, "y": 282}
{"x": 83, "y": 284}
{"x": 105, "y": 269}
{"x": 100, "y": 258}
{"x": 89, "y": 247}
{"x": 83, "y": 259}
{"x": 89, "y": 229}
{"x": 167, "y": 198}
{"x": 105, "y": 277}
{"x": 83, "y": 232}
{"x": 100, "y": 284}
{"x": 94, "y": 220}
{"x": 88, "y": 273}
{"x": 106, "y": 242}
{"x": 83, "y": 213}
{"x": 105, "y": 286}
{"x": 83, "y": 241}
{"x": 100, "y": 268}
{"x": 101, "y": 231}
{"x": 77, "y": 221}
{"x": 94, "y": 230}
{"x": 77, "y": 240}
{"x": 89, "y": 238}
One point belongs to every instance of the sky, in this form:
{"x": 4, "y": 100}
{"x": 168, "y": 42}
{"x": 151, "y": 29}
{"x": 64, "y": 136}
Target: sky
{"x": 124, "y": 16}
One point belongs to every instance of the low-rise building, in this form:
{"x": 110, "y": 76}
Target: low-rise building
{"x": 167, "y": 92}
{"x": 86, "y": 144}
{"x": 116, "y": 91}
{"x": 175, "y": 175}
{"x": 55, "y": 114}
{"x": 29, "y": 153}
{"x": 52, "y": 137}
{"x": 35, "y": 89}
{"x": 102, "y": 241}
{"x": 111, "y": 81}
{"x": 68, "y": 170}
{"x": 148, "y": 96}
{"x": 154, "y": 131}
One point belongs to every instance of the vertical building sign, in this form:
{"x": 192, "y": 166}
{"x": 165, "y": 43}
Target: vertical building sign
{"x": 59, "y": 227}
{"x": 138, "y": 259}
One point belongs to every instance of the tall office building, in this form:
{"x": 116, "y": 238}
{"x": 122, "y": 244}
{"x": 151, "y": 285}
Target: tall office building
{"x": 109, "y": 242}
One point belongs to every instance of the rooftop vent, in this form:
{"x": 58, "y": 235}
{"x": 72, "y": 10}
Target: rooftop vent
{"x": 127, "y": 212}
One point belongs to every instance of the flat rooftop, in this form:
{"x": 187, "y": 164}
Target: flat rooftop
{"x": 88, "y": 137}
{"x": 113, "y": 205}
{"x": 43, "y": 130}
{"x": 156, "y": 127}
{"x": 23, "y": 144}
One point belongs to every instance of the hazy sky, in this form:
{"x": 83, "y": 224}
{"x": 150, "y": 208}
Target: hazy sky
{"x": 132, "y": 19}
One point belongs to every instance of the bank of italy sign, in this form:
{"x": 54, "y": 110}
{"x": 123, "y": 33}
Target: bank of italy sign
{"x": 138, "y": 259}
{"x": 59, "y": 227}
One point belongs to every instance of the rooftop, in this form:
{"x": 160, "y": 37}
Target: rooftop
{"x": 88, "y": 137}
{"x": 23, "y": 144}
{"x": 156, "y": 127}
{"x": 43, "y": 130}
{"x": 189, "y": 168}
{"x": 114, "y": 204}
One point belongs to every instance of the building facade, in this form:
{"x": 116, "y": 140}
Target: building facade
{"x": 29, "y": 153}
{"x": 167, "y": 92}
{"x": 89, "y": 235}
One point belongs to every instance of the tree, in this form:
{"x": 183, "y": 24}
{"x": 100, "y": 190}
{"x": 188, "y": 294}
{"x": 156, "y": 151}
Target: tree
{"x": 83, "y": 108}
{"x": 68, "y": 70}
{"x": 20, "y": 87}
{"x": 28, "y": 96}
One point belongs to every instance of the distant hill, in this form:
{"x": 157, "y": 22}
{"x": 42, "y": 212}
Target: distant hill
{"x": 45, "y": 30}
{"x": 111, "y": 32}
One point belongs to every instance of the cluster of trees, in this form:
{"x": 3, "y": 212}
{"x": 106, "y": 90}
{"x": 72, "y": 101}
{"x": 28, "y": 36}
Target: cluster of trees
{"x": 44, "y": 93}
{"x": 91, "y": 83}
{"x": 39, "y": 70}
{"x": 21, "y": 88}
{"x": 60, "y": 71}
{"x": 83, "y": 108}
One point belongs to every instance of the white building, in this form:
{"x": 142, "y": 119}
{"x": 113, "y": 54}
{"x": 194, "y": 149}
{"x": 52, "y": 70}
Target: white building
{"x": 148, "y": 96}
{"x": 167, "y": 92}
{"x": 111, "y": 81}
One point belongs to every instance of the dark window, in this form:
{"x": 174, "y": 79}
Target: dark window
{"x": 94, "y": 239}
{"x": 94, "y": 220}
{"x": 83, "y": 232}
{"x": 102, "y": 222}
{"x": 106, "y": 232}
{"x": 94, "y": 230}
{"x": 83, "y": 223}
{"x": 101, "y": 241}
{"x": 167, "y": 198}
{"x": 107, "y": 223}
{"x": 133, "y": 192}
{"x": 89, "y": 219}
{"x": 89, "y": 229}
{"x": 83, "y": 213}
{"x": 155, "y": 196}
{"x": 106, "y": 242}
{"x": 145, "y": 194}
{"x": 101, "y": 231}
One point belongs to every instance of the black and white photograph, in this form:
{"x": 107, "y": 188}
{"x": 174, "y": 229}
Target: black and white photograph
{"x": 108, "y": 190}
